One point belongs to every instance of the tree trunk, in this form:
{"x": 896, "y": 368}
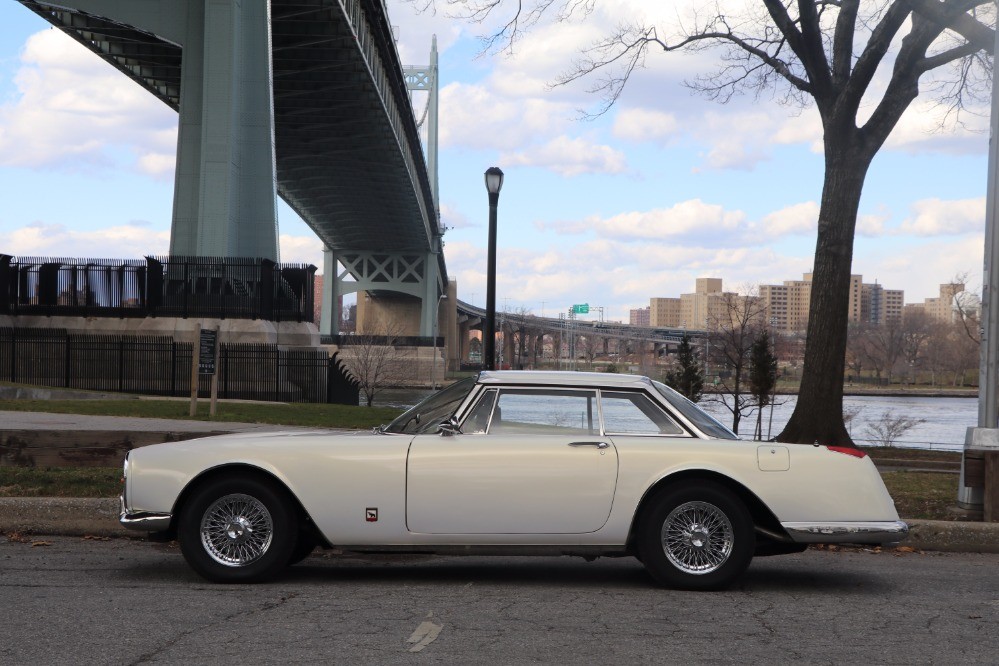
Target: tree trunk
{"x": 818, "y": 414}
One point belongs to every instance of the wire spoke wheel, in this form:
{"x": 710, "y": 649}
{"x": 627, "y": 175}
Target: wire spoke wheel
{"x": 697, "y": 537}
{"x": 236, "y": 530}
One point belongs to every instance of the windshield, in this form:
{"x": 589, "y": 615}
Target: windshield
{"x": 701, "y": 419}
{"x": 427, "y": 415}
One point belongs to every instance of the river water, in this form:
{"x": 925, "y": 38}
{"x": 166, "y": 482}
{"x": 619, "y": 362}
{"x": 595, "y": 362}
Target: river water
{"x": 943, "y": 426}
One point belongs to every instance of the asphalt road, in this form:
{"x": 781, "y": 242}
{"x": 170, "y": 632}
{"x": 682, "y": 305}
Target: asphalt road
{"x": 84, "y": 601}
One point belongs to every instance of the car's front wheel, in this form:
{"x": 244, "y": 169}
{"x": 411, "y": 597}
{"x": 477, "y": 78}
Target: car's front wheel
{"x": 696, "y": 535}
{"x": 237, "y": 529}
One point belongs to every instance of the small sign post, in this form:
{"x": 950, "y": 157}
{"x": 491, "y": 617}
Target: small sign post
{"x": 204, "y": 361}
{"x": 195, "y": 357}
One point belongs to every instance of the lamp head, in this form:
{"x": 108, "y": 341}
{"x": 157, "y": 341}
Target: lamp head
{"x": 494, "y": 180}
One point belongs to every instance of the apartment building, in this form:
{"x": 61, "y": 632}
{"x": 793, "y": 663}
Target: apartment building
{"x": 639, "y": 317}
{"x": 785, "y": 306}
{"x": 942, "y": 307}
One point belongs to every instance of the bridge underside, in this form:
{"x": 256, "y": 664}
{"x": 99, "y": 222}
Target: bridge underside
{"x": 347, "y": 152}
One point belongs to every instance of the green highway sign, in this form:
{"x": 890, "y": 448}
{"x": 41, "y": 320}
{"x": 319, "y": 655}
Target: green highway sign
{"x": 583, "y": 308}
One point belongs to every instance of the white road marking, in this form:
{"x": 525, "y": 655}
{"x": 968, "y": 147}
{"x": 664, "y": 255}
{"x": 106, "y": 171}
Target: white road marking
{"x": 425, "y": 634}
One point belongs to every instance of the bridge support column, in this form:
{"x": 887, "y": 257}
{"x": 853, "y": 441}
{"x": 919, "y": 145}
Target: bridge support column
{"x": 416, "y": 275}
{"x": 225, "y": 194}
{"x": 329, "y": 323}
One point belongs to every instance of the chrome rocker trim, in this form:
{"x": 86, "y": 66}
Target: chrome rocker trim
{"x": 847, "y": 532}
{"x": 142, "y": 521}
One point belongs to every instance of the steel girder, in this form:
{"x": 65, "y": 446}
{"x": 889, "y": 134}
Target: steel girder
{"x": 349, "y": 158}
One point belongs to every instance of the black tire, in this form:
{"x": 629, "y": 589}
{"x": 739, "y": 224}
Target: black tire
{"x": 304, "y": 546}
{"x": 238, "y": 529}
{"x": 712, "y": 555}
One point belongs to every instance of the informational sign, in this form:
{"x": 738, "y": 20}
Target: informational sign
{"x": 206, "y": 351}
{"x": 583, "y": 308}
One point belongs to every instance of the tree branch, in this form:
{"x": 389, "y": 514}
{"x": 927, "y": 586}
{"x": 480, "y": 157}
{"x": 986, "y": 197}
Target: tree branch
{"x": 843, "y": 41}
{"x": 980, "y": 35}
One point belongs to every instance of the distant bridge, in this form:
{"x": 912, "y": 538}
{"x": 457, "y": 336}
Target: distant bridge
{"x": 470, "y": 317}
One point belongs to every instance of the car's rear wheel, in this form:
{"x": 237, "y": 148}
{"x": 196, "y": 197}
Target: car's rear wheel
{"x": 697, "y": 536}
{"x": 237, "y": 529}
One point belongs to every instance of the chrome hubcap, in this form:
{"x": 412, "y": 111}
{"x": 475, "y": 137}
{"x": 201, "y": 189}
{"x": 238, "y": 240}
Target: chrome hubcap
{"x": 697, "y": 537}
{"x": 236, "y": 530}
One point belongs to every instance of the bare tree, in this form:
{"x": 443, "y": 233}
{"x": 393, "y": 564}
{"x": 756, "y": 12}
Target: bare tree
{"x": 824, "y": 53}
{"x": 588, "y": 345}
{"x": 373, "y": 359}
{"x": 917, "y": 329}
{"x": 733, "y": 329}
{"x": 968, "y": 310}
{"x": 886, "y": 430}
{"x": 881, "y": 347}
{"x": 855, "y": 353}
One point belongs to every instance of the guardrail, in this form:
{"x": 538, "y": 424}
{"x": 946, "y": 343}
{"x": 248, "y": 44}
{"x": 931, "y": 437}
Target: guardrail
{"x": 215, "y": 287}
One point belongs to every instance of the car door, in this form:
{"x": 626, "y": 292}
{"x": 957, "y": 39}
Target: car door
{"x": 529, "y": 461}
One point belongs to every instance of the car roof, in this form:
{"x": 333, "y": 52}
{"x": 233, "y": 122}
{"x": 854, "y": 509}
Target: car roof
{"x": 554, "y": 378}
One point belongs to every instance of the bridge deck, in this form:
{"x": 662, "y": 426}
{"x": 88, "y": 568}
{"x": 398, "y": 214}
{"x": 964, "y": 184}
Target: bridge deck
{"x": 349, "y": 158}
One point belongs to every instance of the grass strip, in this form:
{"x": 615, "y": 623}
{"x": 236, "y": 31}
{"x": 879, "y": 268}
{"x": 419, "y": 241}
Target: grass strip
{"x": 60, "y": 481}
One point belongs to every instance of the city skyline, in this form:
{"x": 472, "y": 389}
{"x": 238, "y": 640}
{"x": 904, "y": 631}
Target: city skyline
{"x": 664, "y": 188}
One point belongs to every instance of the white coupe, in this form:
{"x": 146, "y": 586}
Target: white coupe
{"x": 545, "y": 463}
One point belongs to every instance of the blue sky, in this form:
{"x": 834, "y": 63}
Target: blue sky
{"x": 664, "y": 188}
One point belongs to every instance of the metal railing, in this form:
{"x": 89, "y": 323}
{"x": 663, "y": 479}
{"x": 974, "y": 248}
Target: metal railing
{"x": 215, "y": 287}
{"x": 160, "y": 366}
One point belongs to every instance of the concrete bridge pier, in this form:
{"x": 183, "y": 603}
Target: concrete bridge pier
{"x": 225, "y": 196}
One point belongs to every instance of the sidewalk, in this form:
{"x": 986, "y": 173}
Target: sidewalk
{"x": 99, "y": 517}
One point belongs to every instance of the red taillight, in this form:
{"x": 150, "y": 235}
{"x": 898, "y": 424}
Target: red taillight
{"x": 848, "y": 450}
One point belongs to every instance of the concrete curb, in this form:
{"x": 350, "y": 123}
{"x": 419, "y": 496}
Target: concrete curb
{"x": 99, "y": 517}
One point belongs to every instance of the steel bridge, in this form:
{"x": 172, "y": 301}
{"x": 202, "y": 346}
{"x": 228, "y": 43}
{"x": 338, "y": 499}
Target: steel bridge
{"x": 305, "y": 99}
{"x": 470, "y": 317}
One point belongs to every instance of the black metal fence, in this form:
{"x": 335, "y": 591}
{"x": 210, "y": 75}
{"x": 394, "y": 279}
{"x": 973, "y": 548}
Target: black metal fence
{"x": 221, "y": 288}
{"x": 160, "y": 366}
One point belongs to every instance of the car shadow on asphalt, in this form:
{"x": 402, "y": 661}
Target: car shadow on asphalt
{"x": 791, "y": 573}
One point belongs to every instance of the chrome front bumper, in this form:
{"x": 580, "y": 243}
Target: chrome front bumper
{"x": 142, "y": 521}
{"x": 847, "y": 532}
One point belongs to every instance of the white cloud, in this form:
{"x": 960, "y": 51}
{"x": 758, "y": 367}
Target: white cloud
{"x": 644, "y": 125}
{"x": 474, "y": 116}
{"x": 133, "y": 240}
{"x": 871, "y": 226}
{"x": 936, "y": 217}
{"x": 692, "y": 218}
{"x": 794, "y": 220}
{"x": 921, "y": 267}
{"x": 926, "y": 128}
{"x": 569, "y": 157}
{"x": 71, "y": 109}
{"x": 452, "y": 218}
{"x": 301, "y": 250}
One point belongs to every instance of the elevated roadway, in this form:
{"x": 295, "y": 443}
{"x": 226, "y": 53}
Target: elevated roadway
{"x": 470, "y": 316}
{"x": 305, "y": 98}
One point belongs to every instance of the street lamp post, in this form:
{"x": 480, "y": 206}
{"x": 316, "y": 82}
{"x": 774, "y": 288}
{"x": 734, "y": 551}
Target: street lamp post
{"x": 494, "y": 181}
{"x": 433, "y": 365}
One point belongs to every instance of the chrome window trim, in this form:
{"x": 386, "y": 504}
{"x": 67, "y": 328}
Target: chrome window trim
{"x": 686, "y": 432}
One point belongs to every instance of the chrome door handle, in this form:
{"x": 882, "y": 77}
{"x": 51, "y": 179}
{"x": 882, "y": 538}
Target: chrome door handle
{"x": 599, "y": 445}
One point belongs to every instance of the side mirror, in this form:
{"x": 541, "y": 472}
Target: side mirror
{"x": 450, "y": 427}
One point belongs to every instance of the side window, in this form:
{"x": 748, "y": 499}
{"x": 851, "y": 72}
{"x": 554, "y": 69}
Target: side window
{"x": 478, "y": 418}
{"x": 550, "y": 411}
{"x": 627, "y": 413}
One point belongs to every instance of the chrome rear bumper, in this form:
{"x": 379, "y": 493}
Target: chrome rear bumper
{"x": 142, "y": 521}
{"x": 847, "y": 532}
